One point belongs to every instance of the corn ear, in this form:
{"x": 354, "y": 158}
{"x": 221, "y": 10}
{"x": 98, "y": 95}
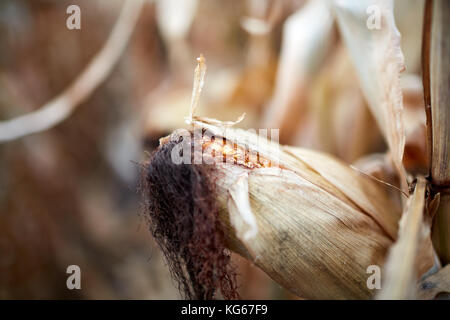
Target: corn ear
{"x": 309, "y": 221}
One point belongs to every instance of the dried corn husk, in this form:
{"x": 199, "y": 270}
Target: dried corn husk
{"x": 309, "y": 221}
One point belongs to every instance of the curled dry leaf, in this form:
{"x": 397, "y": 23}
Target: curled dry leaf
{"x": 199, "y": 82}
{"x": 241, "y": 216}
{"x": 374, "y": 46}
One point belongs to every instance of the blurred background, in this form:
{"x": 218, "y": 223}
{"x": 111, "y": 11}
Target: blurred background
{"x": 69, "y": 194}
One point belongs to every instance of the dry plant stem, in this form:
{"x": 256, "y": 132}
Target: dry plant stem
{"x": 426, "y": 39}
{"x": 62, "y": 106}
{"x": 439, "y": 69}
{"x": 440, "y": 93}
{"x": 399, "y": 272}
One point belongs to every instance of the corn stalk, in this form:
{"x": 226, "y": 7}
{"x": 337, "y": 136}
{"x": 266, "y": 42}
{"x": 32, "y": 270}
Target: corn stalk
{"x": 436, "y": 50}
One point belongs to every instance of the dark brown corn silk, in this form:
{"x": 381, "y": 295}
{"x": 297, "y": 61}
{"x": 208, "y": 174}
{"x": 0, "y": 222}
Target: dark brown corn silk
{"x": 183, "y": 218}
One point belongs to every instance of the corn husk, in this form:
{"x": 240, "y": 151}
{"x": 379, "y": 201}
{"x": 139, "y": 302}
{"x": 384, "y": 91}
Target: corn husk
{"x": 309, "y": 221}
{"x": 312, "y": 223}
{"x": 316, "y": 246}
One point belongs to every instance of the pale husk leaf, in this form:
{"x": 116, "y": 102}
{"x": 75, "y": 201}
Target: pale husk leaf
{"x": 364, "y": 192}
{"x": 241, "y": 216}
{"x": 309, "y": 241}
{"x": 333, "y": 176}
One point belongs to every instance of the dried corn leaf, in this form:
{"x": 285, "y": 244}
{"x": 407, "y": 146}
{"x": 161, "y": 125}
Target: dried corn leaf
{"x": 370, "y": 33}
{"x": 199, "y": 82}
